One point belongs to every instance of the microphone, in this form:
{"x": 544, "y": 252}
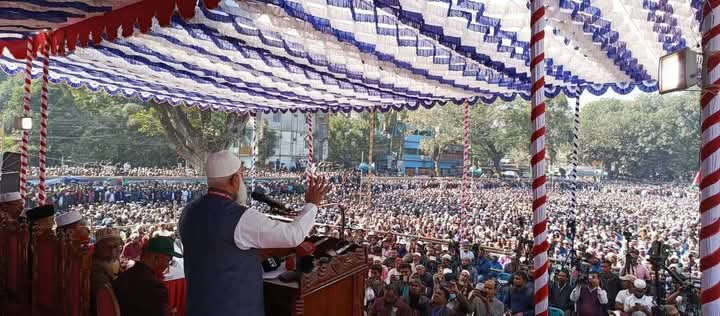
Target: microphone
{"x": 261, "y": 197}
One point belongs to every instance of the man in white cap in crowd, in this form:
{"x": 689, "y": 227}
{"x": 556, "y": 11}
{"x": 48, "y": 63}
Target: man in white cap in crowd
{"x": 221, "y": 238}
{"x": 639, "y": 304}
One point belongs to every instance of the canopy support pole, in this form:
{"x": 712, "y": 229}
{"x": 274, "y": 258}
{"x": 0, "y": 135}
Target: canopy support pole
{"x": 253, "y": 154}
{"x": 571, "y": 231}
{"x": 537, "y": 152}
{"x": 574, "y": 154}
{"x": 26, "y": 113}
{"x": 710, "y": 161}
{"x": 466, "y": 152}
{"x": 310, "y": 167}
{"x": 43, "y": 122}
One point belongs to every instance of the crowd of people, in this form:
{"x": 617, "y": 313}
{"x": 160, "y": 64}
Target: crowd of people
{"x": 467, "y": 260}
{"x": 496, "y": 220}
{"x": 113, "y": 170}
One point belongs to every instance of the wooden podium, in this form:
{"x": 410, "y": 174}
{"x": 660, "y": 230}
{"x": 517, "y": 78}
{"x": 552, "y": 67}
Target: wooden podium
{"x": 333, "y": 288}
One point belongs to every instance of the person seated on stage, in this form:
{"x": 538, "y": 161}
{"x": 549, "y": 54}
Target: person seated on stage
{"x": 133, "y": 248}
{"x": 105, "y": 267}
{"x": 221, "y": 238}
{"x": 140, "y": 290}
{"x": 11, "y": 206}
{"x": 72, "y": 224}
{"x": 390, "y": 304}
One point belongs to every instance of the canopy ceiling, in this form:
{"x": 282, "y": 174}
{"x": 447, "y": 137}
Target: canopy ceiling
{"x": 344, "y": 55}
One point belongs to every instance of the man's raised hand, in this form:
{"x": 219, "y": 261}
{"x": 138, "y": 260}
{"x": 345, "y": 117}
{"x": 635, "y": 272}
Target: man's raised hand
{"x": 317, "y": 188}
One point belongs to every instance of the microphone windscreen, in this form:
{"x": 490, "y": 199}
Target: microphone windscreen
{"x": 306, "y": 248}
{"x": 290, "y": 263}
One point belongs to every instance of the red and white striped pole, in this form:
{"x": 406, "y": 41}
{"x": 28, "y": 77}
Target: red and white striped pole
{"x": 43, "y": 121}
{"x": 310, "y": 168}
{"x": 710, "y": 161}
{"x": 537, "y": 151}
{"x": 26, "y": 113}
{"x": 466, "y": 152}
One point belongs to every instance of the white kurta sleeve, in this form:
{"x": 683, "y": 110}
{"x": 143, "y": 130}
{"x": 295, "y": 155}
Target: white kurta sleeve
{"x": 256, "y": 230}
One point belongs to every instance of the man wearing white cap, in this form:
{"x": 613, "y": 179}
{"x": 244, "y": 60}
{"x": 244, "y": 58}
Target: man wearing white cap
{"x": 68, "y": 221}
{"x": 639, "y": 304}
{"x": 221, "y": 236}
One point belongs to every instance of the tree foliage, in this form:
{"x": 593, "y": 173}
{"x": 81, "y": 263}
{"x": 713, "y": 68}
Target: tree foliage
{"x": 348, "y": 139}
{"x": 651, "y": 137}
{"x": 83, "y": 127}
{"x": 193, "y": 133}
{"x": 446, "y": 125}
{"x": 267, "y": 142}
{"x": 89, "y": 127}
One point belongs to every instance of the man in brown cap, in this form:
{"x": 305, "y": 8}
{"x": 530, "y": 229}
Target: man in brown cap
{"x": 105, "y": 267}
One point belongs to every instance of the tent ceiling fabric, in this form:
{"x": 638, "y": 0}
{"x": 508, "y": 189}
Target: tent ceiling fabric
{"x": 345, "y": 55}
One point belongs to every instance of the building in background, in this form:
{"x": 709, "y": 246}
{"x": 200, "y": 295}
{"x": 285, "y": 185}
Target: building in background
{"x": 412, "y": 161}
{"x": 291, "y": 148}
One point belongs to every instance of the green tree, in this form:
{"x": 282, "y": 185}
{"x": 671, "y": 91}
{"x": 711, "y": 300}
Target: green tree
{"x": 83, "y": 127}
{"x": 192, "y": 133}
{"x": 446, "y": 127}
{"x": 651, "y": 137}
{"x": 348, "y": 139}
{"x": 267, "y": 143}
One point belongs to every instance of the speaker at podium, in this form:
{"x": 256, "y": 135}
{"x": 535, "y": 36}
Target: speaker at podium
{"x": 334, "y": 286}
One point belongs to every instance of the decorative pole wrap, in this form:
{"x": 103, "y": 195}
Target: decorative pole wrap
{"x": 26, "y": 113}
{"x": 466, "y": 152}
{"x": 574, "y": 154}
{"x": 710, "y": 161}
{"x": 310, "y": 169}
{"x": 254, "y": 149}
{"x": 537, "y": 151}
{"x": 43, "y": 121}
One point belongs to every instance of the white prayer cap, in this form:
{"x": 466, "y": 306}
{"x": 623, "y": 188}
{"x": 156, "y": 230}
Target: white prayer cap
{"x": 9, "y": 197}
{"x": 222, "y": 164}
{"x": 639, "y": 284}
{"x": 68, "y": 218}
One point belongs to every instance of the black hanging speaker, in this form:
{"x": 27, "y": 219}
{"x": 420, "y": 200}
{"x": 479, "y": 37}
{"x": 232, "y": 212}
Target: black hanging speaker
{"x": 10, "y": 173}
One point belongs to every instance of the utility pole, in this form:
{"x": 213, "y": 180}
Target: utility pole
{"x": 371, "y": 156}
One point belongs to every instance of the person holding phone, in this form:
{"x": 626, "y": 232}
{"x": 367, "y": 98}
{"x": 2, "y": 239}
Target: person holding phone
{"x": 457, "y": 303}
{"x": 484, "y": 302}
{"x": 638, "y": 304}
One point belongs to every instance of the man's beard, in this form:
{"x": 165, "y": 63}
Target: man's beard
{"x": 242, "y": 197}
{"x": 111, "y": 267}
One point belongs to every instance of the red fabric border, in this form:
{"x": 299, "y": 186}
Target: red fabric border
{"x": 141, "y": 14}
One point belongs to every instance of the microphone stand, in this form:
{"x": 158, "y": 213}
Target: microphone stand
{"x": 342, "y": 221}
